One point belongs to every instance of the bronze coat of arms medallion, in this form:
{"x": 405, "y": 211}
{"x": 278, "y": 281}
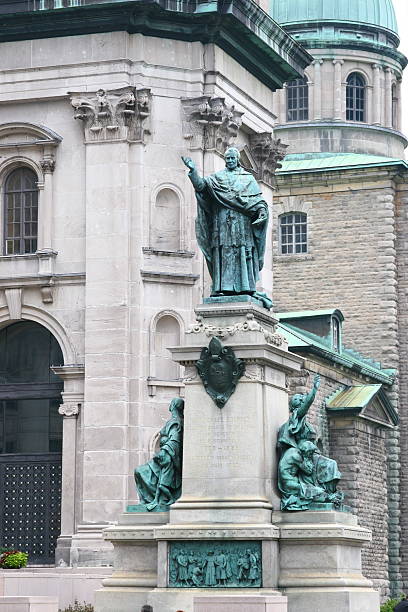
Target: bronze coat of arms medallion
{"x": 220, "y": 371}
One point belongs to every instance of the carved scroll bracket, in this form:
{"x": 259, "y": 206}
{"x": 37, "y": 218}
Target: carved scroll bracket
{"x": 118, "y": 114}
{"x": 209, "y": 123}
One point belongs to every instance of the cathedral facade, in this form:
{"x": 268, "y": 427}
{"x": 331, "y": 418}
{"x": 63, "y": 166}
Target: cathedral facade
{"x": 100, "y": 270}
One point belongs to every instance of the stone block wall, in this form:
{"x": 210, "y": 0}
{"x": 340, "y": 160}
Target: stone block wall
{"x": 353, "y": 218}
{"x": 401, "y": 461}
{"x": 360, "y": 448}
{"x": 351, "y": 257}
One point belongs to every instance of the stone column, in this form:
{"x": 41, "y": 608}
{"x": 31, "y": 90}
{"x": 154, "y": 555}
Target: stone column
{"x": 377, "y": 94}
{"x": 337, "y": 90}
{"x": 282, "y": 104}
{"x": 398, "y": 103}
{"x": 317, "y": 90}
{"x": 73, "y": 397}
{"x": 369, "y": 108}
{"x": 388, "y": 97}
{"x": 45, "y": 230}
{"x": 113, "y": 122}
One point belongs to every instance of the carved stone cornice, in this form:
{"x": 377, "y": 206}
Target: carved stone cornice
{"x": 209, "y": 123}
{"x": 267, "y": 154}
{"x": 116, "y": 114}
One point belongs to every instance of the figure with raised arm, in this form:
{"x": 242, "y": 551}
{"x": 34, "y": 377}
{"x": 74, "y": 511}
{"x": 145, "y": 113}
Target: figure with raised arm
{"x": 232, "y": 219}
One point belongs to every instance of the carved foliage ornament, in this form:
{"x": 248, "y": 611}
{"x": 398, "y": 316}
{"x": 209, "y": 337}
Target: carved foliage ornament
{"x": 210, "y": 124}
{"x": 114, "y": 114}
{"x": 267, "y": 154}
{"x": 220, "y": 371}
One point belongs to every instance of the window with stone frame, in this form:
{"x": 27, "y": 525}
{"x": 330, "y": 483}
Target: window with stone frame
{"x": 20, "y": 212}
{"x": 297, "y": 100}
{"x": 293, "y": 233}
{"x": 356, "y": 98}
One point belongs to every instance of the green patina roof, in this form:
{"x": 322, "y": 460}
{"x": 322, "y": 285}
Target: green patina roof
{"x": 354, "y": 397}
{"x": 303, "y": 162}
{"x": 356, "y": 400}
{"x": 368, "y": 12}
{"x": 300, "y": 340}
{"x": 302, "y": 314}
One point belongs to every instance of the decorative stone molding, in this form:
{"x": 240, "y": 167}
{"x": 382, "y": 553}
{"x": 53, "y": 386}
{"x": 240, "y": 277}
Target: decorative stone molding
{"x": 173, "y": 278}
{"x": 118, "y": 114}
{"x": 48, "y": 164}
{"x": 254, "y": 371}
{"x": 250, "y": 325}
{"x": 267, "y": 154}
{"x": 69, "y": 410}
{"x": 312, "y": 532}
{"x": 134, "y": 533}
{"x": 14, "y": 298}
{"x": 209, "y": 123}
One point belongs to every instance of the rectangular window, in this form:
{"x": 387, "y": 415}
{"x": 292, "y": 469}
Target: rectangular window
{"x": 297, "y": 100}
{"x": 293, "y": 233}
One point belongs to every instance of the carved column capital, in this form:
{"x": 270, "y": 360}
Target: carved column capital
{"x": 47, "y": 165}
{"x": 338, "y": 61}
{"x": 267, "y": 154}
{"x": 209, "y": 123}
{"x": 117, "y": 114}
{"x": 69, "y": 410}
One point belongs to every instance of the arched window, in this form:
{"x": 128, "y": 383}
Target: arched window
{"x": 167, "y": 334}
{"x": 30, "y": 440}
{"x": 297, "y": 93}
{"x": 293, "y": 233}
{"x": 355, "y": 98}
{"x": 20, "y": 212}
{"x": 165, "y": 227}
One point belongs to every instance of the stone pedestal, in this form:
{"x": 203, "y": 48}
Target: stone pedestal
{"x": 320, "y": 562}
{"x": 229, "y": 490}
{"x": 218, "y": 603}
{"x": 229, "y": 453}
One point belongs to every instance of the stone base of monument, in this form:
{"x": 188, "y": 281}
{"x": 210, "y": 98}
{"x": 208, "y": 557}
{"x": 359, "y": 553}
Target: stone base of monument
{"x": 320, "y": 562}
{"x": 148, "y": 557}
{"x": 240, "y": 603}
{"x": 219, "y": 542}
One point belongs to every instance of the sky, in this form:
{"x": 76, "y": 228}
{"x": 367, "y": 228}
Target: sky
{"x": 401, "y": 8}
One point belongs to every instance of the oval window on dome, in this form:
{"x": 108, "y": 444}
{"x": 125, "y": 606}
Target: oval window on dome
{"x": 356, "y": 98}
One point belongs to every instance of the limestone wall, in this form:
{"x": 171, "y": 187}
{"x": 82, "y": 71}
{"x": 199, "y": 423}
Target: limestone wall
{"x": 121, "y": 209}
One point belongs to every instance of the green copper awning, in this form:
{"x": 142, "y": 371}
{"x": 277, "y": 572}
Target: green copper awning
{"x": 354, "y": 397}
{"x": 366, "y": 401}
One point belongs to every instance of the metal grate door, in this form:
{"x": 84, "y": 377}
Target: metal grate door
{"x": 31, "y": 495}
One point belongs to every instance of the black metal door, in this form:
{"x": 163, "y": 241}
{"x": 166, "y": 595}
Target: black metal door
{"x": 30, "y": 441}
{"x": 31, "y": 504}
